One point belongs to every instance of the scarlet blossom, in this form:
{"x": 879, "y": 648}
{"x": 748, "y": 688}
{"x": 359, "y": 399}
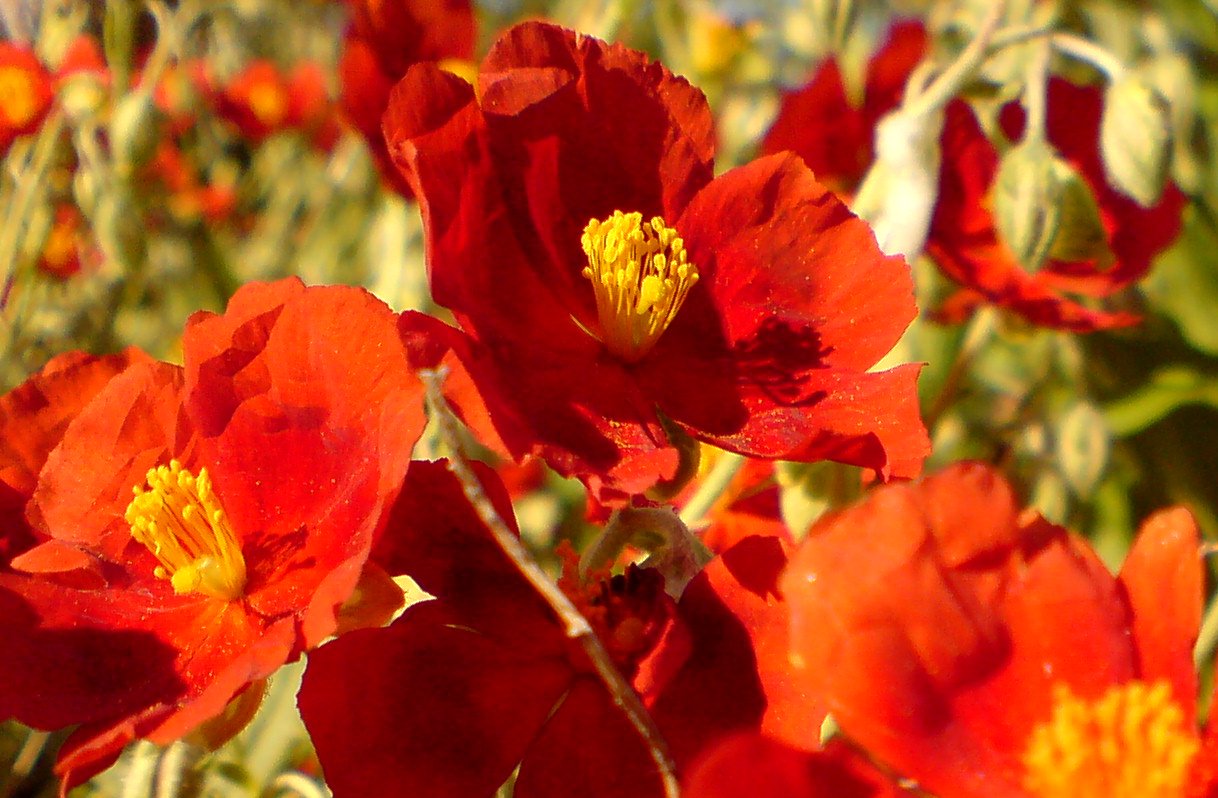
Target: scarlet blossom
{"x": 193, "y": 528}
{"x": 457, "y": 691}
{"x": 964, "y": 240}
{"x": 979, "y": 650}
{"x": 383, "y": 40}
{"x": 614, "y": 290}
{"x": 835, "y": 137}
{"x": 25, "y": 92}
{"x": 263, "y": 99}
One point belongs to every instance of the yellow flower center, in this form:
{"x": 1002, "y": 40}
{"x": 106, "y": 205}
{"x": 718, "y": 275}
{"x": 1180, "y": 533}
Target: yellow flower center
{"x": 17, "y": 95}
{"x": 268, "y": 103}
{"x": 1130, "y": 743}
{"x": 180, "y": 521}
{"x": 640, "y": 276}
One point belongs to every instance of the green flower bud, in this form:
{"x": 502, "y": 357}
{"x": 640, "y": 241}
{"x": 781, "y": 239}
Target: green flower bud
{"x": 1027, "y": 201}
{"x": 1135, "y": 138}
{"x": 135, "y": 131}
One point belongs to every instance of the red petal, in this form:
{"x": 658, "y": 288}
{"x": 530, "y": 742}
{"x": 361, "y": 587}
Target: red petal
{"x": 309, "y": 451}
{"x": 1164, "y": 582}
{"x": 426, "y": 706}
{"x": 587, "y": 747}
{"x": 936, "y": 627}
{"x": 753, "y": 766}
{"x": 33, "y": 418}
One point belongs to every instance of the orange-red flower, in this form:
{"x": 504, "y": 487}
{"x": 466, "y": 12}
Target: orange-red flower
{"x": 615, "y": 289}
{"x": 60, "y": 256}
{"x": 384, "y": 39}
{"x": 193, "y": 528}
{"x": 263, "y": 99}
{"x": 25, "y": 92}
{"x": 983, "y": 651}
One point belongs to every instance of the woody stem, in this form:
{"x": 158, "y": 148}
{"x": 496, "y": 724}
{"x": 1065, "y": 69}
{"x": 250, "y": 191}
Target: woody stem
{"x": 575, "y": 624}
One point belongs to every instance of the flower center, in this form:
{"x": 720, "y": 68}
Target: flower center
{"x": 1129, "y": 743}
{"x": 180, "y": 521}
{"x": 17, "y": 95}
{"x": 640, "y": 276}
{"x": 267, "y": 102}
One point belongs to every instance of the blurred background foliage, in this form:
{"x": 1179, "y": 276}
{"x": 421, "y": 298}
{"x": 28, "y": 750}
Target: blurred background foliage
{"x": 144, "y": 195}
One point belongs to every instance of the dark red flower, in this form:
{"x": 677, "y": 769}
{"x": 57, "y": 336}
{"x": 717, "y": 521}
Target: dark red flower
{"x": 455, "y": 693}
{"x": 25, "y": 92}
{"x": 384, "y": 39}
{"x": 834, "y": 137}
{"x": 461, "y": 688}
{"x": 983, "y": 651}
{"x": 756, "y": 303}
{"x": 964, "y": 240}
{"x": 261, "y": 471}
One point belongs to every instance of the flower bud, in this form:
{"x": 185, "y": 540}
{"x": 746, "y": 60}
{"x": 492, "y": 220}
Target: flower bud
{"x": 1027, "y": 201}
{"x": 1081, "y": 235}
{"x": 1135, "y": 138}
{"x": 135, "y": 130}
{"x": 1083, "y": 444}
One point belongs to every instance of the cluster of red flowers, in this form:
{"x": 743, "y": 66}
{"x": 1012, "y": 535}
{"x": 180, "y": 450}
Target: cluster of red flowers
{"x": 171, "y": 535}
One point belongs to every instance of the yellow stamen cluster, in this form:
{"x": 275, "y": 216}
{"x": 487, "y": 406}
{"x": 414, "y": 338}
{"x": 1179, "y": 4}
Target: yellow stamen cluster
{"x": 640, "y": 276}
{"x": 17, "y": 95}
{"x": 1130, "y": 743}
{"x": 180, "y": 521}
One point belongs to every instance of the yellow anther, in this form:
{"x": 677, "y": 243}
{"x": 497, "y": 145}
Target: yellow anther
{"x": 1130, "y": 743}
{"x": 640, "y": 277}
{"x": 268, "y": 103}
{"x": 17, "y": 95}
{"x": 180, "y": 521}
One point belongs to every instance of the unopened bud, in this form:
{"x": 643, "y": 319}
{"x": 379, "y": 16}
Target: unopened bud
{"x": 1172, "y": 75}
{"x": 82, "y": 96}
{"x": 1081, "y": 235}
{"x": 1083, "y": 445}
{"x": 1135, "y": 138}
{"x": 1027, "y": 201}
{"x": 135, "y": 131}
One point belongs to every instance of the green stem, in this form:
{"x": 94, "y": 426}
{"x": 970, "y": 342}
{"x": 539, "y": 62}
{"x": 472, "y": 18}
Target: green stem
{"x": 1207, "y": 636}
{"x": 1089, "y": 52}
{"x": 951, "y": 79}
{"x": 31, "y": 184}
{"x": 978, "y": 333}
{"x": 717, "y": 481}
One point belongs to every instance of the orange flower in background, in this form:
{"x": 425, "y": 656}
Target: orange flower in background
{"x": 60, "y": 256}
{"x": 193, "y": 528}
{"x": 263, "y": 99}
{"x": 986, "y": 652}
{"x": 25, "y": 92}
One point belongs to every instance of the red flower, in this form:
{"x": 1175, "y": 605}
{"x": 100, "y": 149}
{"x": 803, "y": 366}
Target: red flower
{"x": 25, "y": 93}
{"x": 263, "y": 99}
{"x": 981, "y": 651}
{"x": 965, "y": 243}
{"x": 385, "y": 38}
{"x": 756, "y": 302}
{"x": 261, "y": 471}
{"x": 460, "y": 689}
{"x": 835, "y": 138}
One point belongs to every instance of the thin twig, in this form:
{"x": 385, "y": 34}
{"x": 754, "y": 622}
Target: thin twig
{"x": 951, "y": 79}
{"x": 976, "y": 335}
{"x": 712, "y": 487}
{"x": 1089, "y": 52}
{"x": 575, "y": 625}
